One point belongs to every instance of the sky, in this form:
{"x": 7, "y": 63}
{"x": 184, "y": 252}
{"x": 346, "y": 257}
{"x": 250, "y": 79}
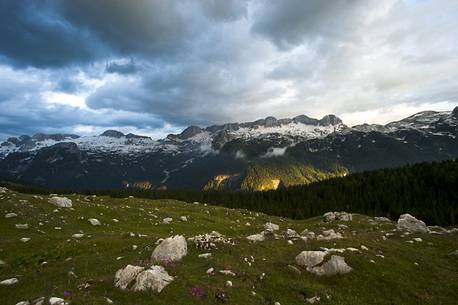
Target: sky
{"x": 154, "y": 67}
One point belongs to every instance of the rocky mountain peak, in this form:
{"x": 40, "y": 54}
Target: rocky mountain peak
{"x": 330, "y": 119}
{"x": 190, "y": 132}
{"x": 112, "y": 134}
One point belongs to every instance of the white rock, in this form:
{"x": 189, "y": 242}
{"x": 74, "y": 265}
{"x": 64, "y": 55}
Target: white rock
{"x": 23, "y": 303}
{"x": 290, "y": 242}
{"x": 335, "y": 216}
{"x": 407, "y": 222}
{"x": 25, "y": 239}
{"x": 167, "y": 220}
{"x": 270, "y": 227}
{"x": 205, "y": 255}
{"x": 336, "y": 265}
{"x": 256, "y": 237}
{"x": 329, "y": 234}
{"x": 115, "y": 220}
{"x": 78, "y": 235}
{"x": 10, "y": 215}
{"x": 155, "y": 279}
{"x": 62, "y": 202}
{"x": 183, "y": 218}
{"x": 228, "y": 284}
{"x": 56, "y": 301}
{"x": 210, "y": 270}
{"x": 363, "y": 247}
{"x": 227, "y": 272}
{"x": 291, "y": 233}
{"x": 310, "y": 258}
{"x": 109, "y": 301}
{"x": 94, "y": 222}
{"x": 22, "y": 226}
{"x": 313, "y": 300}
{"x": 9, "y": 282}
{"x": 124, "y": 277}
{"x": 418, "y": 239}
{"x": 134, "y": 247}
{"x": 171, "y": 249}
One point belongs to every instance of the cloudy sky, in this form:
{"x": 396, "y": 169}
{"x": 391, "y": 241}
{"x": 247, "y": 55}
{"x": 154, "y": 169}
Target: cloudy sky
{"x": 153, "y": 67}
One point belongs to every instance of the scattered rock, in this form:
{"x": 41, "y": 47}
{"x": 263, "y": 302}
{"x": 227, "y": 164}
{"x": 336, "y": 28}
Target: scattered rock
{"x": 171, "y": 249}
{"x": 407, "y": 222}
{"x": 155, "y": 279}
{"x": 78, "y": 235}
{"x": 418, "y": 239}
{"x": 125, "y": 277}
{"x": 94, "y": 222}
{"x": 56, "y": 301}
{"x": 205, "y": 255}
{"x": 9, "y": 282}
{"x": 313, "y": 300}
{"x": 25, "y": 239}
{"x": 329, "y": 234}
{"x": 209, "y": 241}
{"x": 22, "y": 226}
{"x": 210, "y": 270}
{"x": 167, "y": 220}
{"x": 228, "y": 284}
{"x": 62, "y": 202}
{"x": 271, "y": 227}
{"x": 183, "y": 218}
{"x": 256, "y": 237}
{"x": 23, "y": 303}
{"x": 454, "y": 253}
{"x": 10, "y": 215}
{"x": 310, "y": 258}
{"x": 337, "y": 216}
{"x": 227, "y": 272}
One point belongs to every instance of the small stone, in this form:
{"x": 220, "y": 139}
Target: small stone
{"x": 56, "y": 301}
{"x": 313, "y": 300}
{"x": 228, "y": 284}
{"x": 21, "y": 226}
{"x": 78, "y": 235}
{"x": 10, "y": 215}
{"x": 25, "y": 239}
{"x": 205, "y": 255}
{"x": 167, "y": 220}
{"x": 9, "y": 282}
{"x": 94, "y": 222}
{"x": 210, "y": 270}
{"x": 183, "y": 218}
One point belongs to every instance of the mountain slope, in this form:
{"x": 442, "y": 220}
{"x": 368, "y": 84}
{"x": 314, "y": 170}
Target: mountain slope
{"x": 79, "y": 260}
{"x": 192, "y": 159}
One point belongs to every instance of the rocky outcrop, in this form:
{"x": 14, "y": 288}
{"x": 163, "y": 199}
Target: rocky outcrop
{"x": 171, "y": 249}
{"x": 408, "y": 223}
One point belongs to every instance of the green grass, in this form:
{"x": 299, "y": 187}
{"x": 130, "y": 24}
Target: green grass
{"x": 395, "y": 279}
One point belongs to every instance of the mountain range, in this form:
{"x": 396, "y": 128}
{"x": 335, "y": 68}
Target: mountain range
{"x": 261, "y": 155}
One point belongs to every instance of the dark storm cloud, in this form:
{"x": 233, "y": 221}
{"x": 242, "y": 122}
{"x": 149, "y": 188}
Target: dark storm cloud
{"x": 122, "y": 68}
{"x": 289, "y": 23}
{"x": 32, "y": 34}
{"x": 155, "y": 63}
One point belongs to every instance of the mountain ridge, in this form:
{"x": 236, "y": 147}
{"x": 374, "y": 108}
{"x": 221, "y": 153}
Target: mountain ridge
{"x": 193, "y": 158}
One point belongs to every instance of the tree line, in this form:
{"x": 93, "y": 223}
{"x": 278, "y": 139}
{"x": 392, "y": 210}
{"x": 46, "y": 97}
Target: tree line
{"x": 429, "y": 191}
